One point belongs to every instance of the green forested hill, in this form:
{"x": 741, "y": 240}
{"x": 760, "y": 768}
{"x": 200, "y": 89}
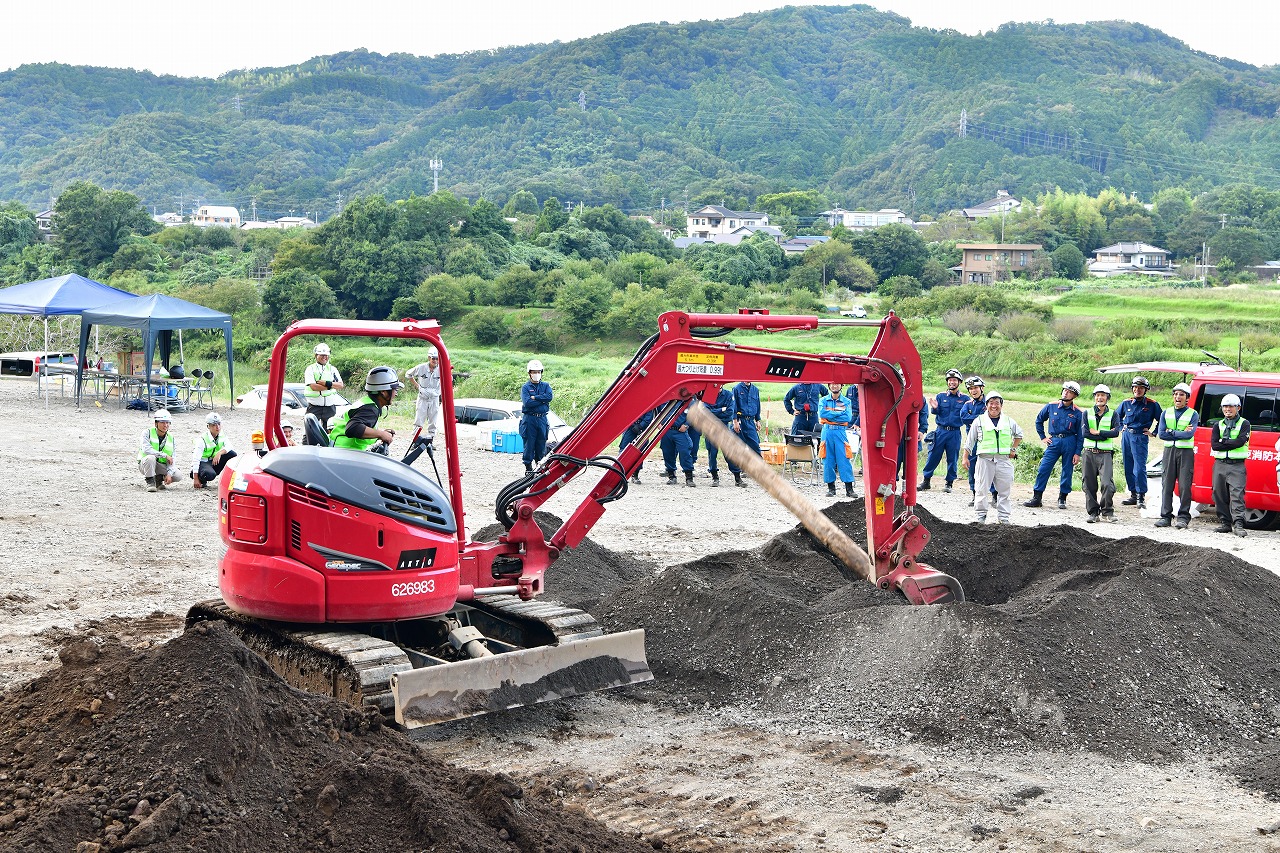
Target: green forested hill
{"x": 850, "y": 101}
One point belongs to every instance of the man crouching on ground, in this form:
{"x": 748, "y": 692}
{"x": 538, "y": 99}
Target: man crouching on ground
{"x": 156, "y": 453}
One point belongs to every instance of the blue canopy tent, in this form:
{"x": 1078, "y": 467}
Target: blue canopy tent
{"x": 157, "y": 317}
{"x": 65, "y": 294}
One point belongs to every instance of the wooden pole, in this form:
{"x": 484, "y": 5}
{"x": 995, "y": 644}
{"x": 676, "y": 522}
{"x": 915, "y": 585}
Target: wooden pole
{"x": 822, "y": 528}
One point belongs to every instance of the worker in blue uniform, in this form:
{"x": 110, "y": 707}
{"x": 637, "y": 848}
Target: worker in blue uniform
{"x": 535, "y": 402}
{"x": 802, "y": 402}
{"x": 723, "y": 408}
{"x": 1060, "y": 426}
{"x": 675, "y": 446}
{"x": 1139, "y": 419}
{"x": 922, "y": 429}
{"x": 629, "y": 435}
{"x": 746, "y": 414}
{"x": 946, "y": 408}
{"x": 835, "y": 413}
{"x": 974, "y": 408}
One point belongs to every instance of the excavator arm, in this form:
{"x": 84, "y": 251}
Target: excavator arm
{"x": 690, "y": 357}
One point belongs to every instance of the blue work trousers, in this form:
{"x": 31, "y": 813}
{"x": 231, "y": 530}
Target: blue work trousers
{"x": 628, "y": 436}
{"x": 749, "y": 434}
{"x": 1134, "y": 446}
{"x": 1065, "y": 448}
{"x": 695, "y": 439}
{"x": 677, "y": 444}
{"x": 835, "y": 445}
{"x": 804, "y": 422}
{"x": 945, "y": 439}
{"x": 713, "y": 454}
{"x": 533, "y": 432}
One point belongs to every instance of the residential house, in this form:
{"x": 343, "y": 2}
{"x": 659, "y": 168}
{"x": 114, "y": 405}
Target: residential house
{"x": 1002, "y": 203}
{"x": 802, "y": 243}
{"x": 169, "y": 220}
{"x": 712, "y": 219}
{"x": 1131, "y": 259}
{"x": 44, "y": 224}
{"x": 665, "y": 230}
{"x": 731, "y": 239}
{"x": 210, "y": 215}
{"x": 983, "y": 261}
{"x": 863, "y": 220}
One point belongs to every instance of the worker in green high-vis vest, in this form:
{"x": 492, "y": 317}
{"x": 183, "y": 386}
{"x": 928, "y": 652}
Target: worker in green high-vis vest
{"x": 357, "y": 427}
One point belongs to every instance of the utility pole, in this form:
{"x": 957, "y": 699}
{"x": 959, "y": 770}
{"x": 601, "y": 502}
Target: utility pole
{"x": 662, "y": 217}
{"x": 339, "y": 201}
{"x": 582, "y": 101}
{"x": 1223, "y": 220}
{"x": 253, "y": 207}
{"x": 436, "y": 166}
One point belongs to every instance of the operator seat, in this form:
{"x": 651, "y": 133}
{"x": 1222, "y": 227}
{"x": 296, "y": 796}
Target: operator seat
{"x": 315, "y": 431}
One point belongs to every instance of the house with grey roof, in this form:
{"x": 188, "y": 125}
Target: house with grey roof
{"x": 864, "y": 220}
{"x": 713, "y": 219}
{"x": 1131, "y": 259}
{"x": 1002, "y": 203}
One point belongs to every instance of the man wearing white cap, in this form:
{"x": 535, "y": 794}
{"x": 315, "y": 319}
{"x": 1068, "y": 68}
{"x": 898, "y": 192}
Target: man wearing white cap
{"x": 212, "y": 453}
{"x": 426, "y": 378}
{"x": 156, "y": 452}
{"x": 323, "y": 384}
{"x": 1178, "y": 432}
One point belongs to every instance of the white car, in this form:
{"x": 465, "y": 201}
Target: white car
{"x": 292, "y": 400}
{"x": 856, "y": 311}
{"x": 504, "y": 416}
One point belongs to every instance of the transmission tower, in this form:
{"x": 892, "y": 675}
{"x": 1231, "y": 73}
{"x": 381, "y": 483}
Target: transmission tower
{"x": 436, "y": 166}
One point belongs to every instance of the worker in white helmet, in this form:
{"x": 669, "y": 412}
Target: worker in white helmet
{"x": 1229, "y": 445}
{"x": 1060, "y": 426}
{"x": 535, "y": 403}
{"x": 426, "y": 378}
{"x": 1097, "y": 460}
{"x": 157, "y": 452}
{"x": 323, "y": 383}
{"x": 212, "y": 453}
{"x": 287, "y": 428}
{"x": 1178, "y": 432}
{"x": 992, "y": 447}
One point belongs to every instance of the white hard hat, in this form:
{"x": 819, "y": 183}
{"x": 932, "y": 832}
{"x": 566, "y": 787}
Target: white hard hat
{"x": 975, "y": 381}
{"x": 432, "y": 352}
{"x": 535, "y": 366}
{"x": 954, "y": 374}
{"x": 212, "y": 418}
{"x": 995, "y": 395}
{"x": 1183, "y": 387}
{"x": 383, "y": 379}
{"x": 1139, "y": 382}
{"x": 1102, "y": 389}
{"x": 1230, "y": 400}
{"x": 162, "y": 415}
{"x": 285, "y": 425}
{"x": 322, "y": 349}
{"x": 1071, "y": 386}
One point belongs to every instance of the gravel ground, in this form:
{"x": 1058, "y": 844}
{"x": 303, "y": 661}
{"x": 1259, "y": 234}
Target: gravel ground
{"x": 684, "y": 763}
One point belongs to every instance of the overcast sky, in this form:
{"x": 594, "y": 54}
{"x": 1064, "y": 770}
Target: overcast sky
{"x": 209, "y": 39}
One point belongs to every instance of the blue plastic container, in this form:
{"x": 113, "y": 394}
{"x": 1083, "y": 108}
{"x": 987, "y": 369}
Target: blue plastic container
{"x": 507, "y": 442}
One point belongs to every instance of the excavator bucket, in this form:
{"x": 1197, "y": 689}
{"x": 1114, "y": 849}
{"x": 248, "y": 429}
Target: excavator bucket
{"x": 450, "y": 691}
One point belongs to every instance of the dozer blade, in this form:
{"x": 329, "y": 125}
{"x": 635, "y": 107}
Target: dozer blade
{"x": 450, "y": 691}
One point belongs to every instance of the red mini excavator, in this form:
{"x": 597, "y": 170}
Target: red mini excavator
{"x": 352, "y": 573}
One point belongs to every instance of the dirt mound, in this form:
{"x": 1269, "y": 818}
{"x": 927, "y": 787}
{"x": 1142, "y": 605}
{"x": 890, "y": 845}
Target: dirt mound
{"x": 1131, "y": 648}
{"x": 585, "y": 576}
{"x": 197, "y": 745}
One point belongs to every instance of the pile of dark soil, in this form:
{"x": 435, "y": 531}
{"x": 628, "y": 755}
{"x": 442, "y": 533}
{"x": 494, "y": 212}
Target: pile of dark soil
{"x": 1132, "y": 649}
{"x": 197, "y": 745}
{"x": 584, "y": 577}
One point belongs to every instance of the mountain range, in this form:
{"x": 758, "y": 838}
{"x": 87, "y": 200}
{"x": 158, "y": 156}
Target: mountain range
{"x": 855, "y": 103}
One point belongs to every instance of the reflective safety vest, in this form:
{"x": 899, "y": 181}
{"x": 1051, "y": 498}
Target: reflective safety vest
{"x": 1176, "y": 425}
{"x": 165, "y": 447}
{"x": 317, "y": 372}
{"x": 338, "y": 432}
{"x": 1091, "y": 421}
{"x": 211, "y": 445}
{"x": 1229, "y": 433}
{"x": 995, "y": 440}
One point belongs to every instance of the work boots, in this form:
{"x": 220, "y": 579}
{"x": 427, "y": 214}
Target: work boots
{"x": 160, "y": 486}
{"x": 1132, "y": 500}
{"x": 1224, "y": 527}
{"x": 715, "y": 479}
{"x": 1035, "y": 499}
{"x": 831, "y": 490}
{"x": 1142, "y": 501}
{"x": 1062, "y": 501}
{"x": 635, "y": 478}
{"x": 528, "y": 468}
{"x": 671, "y": 478}
{"x": 737, "y": 481}
{"x": 973, "y": 496}
{"x": 1239, "y": 530}
{"x": 151, "y": 484}
{"x": 924, "y": 485}
{"x": 688, "y": 480}
{"x": 848, "y": 490}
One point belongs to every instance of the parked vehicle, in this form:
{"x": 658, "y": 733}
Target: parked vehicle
{"x": 856, "y": 311}
{"x": 28, "y": 363}
{"x": 504, "y": 416}
{"x": 292, "y": 399}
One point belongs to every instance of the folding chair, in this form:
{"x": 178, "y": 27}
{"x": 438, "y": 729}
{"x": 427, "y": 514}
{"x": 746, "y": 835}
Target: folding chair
{"x": 801, "y": 457}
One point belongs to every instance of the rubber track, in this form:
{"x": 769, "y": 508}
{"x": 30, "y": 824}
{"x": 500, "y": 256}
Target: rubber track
{"x": 356, "y": 668}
